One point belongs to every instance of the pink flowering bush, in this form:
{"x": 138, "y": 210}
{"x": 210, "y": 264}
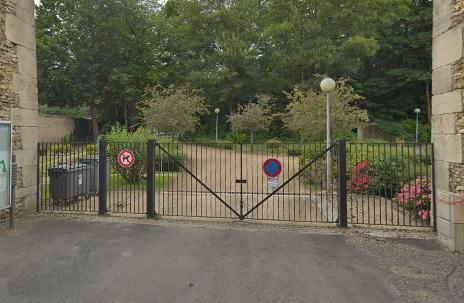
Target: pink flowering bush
{"x": 417, "y": 195}
{"x": 376, "y": 177}
{"x": 359, "y": 180}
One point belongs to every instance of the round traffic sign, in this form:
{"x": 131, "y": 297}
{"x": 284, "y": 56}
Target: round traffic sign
{"x": 126, "y": 158}
{"x": 272, "y": 167}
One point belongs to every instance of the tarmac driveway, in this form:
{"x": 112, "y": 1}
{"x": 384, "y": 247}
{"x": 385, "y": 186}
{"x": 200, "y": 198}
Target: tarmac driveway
{"x": 117, "y": 261}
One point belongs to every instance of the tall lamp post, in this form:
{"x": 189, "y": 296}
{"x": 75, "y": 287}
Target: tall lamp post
{"x": 328, "y": 86}
{"x": 217, "y": 111}
{"x": 417, "y": 111}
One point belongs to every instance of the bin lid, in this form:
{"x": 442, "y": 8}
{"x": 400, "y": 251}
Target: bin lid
{"x": 67, "y": 168}
{"x": 88, "y": 160}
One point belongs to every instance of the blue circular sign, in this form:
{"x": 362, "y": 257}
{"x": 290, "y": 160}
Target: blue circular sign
{"x": 272, "y": 167}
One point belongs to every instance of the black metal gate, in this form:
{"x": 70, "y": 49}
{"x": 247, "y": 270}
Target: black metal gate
{"x": 226, "y": 180}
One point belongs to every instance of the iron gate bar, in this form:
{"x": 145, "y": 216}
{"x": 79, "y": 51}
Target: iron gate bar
{"x": 198, "y": 180}
{"x": 289, "y": 180}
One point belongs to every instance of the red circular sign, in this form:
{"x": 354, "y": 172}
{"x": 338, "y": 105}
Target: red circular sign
{"x": 126, "y": 158}
{"x": 272, "y": 167}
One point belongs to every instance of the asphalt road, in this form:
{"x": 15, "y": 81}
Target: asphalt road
{"x": 79, "y": 261}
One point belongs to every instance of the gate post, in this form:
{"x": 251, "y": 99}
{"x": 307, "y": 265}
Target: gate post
{"x": 151, "y": 178}
{"x": 102, "y": 177}
{"x": 342, "y": 180}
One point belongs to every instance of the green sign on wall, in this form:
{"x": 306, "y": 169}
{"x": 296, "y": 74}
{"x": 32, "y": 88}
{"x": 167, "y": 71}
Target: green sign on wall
{"x": 5, "y": 164}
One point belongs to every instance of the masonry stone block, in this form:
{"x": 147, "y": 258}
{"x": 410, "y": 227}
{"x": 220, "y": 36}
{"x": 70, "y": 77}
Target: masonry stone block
{"x": 26, "y": 157}
{"x": 459, "y": 237}
{"x": 448, "y": 147}
{"x": 20, "y": 32}
{"x": 24, "y": 83}
{"x": 30, "y": 202}
{"x": 441, "y": 80}
{"x": 447, "y": 47}
{"x": 444, "y": 124}
{"x": 31, "y": 133}
{"x": 27, "y": 5}
{"x": 27, "y": 61}
{"x": 29, "y": 175}
{"x": 443, "y": 204}
{"x": 442, "y": 176}
{"x": 441, "y": 16}
{"x": 28, "y": 100}
{"x": 447, "y": 103}
{"x": 24, "y": 117}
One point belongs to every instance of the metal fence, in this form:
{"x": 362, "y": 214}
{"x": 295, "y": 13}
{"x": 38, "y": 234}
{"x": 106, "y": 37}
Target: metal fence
{"x": 375, "y": 184}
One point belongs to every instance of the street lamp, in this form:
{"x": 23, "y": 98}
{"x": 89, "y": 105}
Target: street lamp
{"x": 217, "y": 111}
{"x": 328, "y": 86}
{"x": 417, "y": 111}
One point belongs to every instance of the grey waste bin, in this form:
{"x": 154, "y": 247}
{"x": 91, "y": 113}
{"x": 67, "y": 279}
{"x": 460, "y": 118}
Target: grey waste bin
{"x": 94, "y": 172}
{"x": 68, "y": 182}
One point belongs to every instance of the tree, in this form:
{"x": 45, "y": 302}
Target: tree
{"x": 96, "y": 53}
{"x": 305, "y": 113}
{"x": 253, "y": 117}
{"x": 172, "y": 110}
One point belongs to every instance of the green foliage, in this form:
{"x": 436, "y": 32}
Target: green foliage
{"x": 294, "y": 151}
{"x": 223, "y": 144}
{"x": 104, "y": 53}
{"x": 175, "y": 111}
{"x": 91, "y": 149}
{"x": 383, "y": 178}
{"x": 119, "y": 138}
{"x": 252, "y": 117}
{"x": 273, "y": 144}
{"x": 63, "y": 111}
{"x": 171, "y": 162}
{"x": 61, "y": 148}
{"x": 316, "y": 173}
{"x": 405, "y": 129}
{"x": 306, "y": 112}
{"x": 237, "y": 138}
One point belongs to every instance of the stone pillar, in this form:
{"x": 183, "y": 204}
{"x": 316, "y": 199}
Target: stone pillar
{"x": 448, "y": 120}
{"x": 18, "y": 90}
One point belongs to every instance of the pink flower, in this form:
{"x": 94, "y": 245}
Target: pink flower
{"x": 424, "y": 214}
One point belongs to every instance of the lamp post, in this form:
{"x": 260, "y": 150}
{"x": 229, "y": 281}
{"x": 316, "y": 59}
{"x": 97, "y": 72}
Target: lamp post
{"x": 417, "y": 111}
{"x": 328, "y": 86}
{"x": 217, "y": 111}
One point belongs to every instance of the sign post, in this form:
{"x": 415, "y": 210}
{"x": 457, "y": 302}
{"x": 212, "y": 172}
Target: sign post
{"x": 5, "y": 164}
{"x": 272, "y": 168}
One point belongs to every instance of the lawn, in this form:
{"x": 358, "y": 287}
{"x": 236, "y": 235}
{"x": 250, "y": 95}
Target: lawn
{"x": 116, "y": 182}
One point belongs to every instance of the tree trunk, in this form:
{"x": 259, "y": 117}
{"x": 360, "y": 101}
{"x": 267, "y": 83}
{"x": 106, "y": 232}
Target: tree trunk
{"x": 251, "y": 137}
{"x": 428, "y": 102}
{"x": 93, "y": 116}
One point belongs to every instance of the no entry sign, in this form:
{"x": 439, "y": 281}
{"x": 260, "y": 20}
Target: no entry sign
{"x": 126, "y": 158}
{"x": 272, "y": 167}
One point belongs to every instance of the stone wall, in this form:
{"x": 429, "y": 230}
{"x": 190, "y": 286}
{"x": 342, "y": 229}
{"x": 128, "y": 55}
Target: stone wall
{"x": 18, "y": 90}
{"x": 448, "y": 120}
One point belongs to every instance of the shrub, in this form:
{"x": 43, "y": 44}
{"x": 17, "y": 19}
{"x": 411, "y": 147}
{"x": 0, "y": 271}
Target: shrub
{"x": 294, "y": 151}
{"x": 119, "y": 138}
{"x": 315, "y": 174}
{"x": 224, "y": 144}
{"x": 168, "y": 161}
{"x": 61, "y": 148}
{"x": 273, "y": 144}
{"x": 237, "y": 138}
{"x": 417, "y": 195}
{"x": 91, "y": 149}
{"x": 376, "y": 177}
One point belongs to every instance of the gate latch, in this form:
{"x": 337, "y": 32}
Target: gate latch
{"x": 239, "y": 181}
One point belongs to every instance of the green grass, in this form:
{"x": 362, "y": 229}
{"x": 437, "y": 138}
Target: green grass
{"x": 118, "y": 183}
